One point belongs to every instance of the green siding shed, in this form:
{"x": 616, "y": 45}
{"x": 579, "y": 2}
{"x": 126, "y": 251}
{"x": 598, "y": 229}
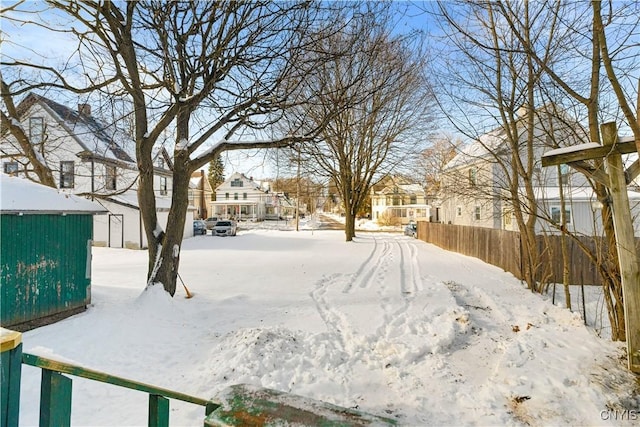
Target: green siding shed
{"x": 45, "y": 253}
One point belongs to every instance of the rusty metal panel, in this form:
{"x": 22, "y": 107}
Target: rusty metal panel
{"x": 44, "y": 266}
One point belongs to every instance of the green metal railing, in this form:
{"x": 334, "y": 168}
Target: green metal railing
{"x": 55, "y": 399}
{"x": 243, "y": 404}
{"x": 55, "y": 389}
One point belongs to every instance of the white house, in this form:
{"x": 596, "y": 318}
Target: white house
{"x": 94, "y": 158}
{"x": 475, "y": 188}
{"x": 396, "y": 197}
{"x": 242, "y": 198}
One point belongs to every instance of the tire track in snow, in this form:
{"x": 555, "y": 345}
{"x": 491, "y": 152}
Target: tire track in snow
{"x": 398, "y": 318}
{"x": 371, "y": 268}
{"x": 391, "y": 271}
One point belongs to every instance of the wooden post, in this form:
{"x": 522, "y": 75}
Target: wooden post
{"x": 627, "y": 255}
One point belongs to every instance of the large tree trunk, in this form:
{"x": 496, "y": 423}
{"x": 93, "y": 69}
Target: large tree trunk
{"x": 167, "y": 271}
{"x": 167, "y": 256}
{"x": 147, "y": 206}
{"x": 349, "y": 225}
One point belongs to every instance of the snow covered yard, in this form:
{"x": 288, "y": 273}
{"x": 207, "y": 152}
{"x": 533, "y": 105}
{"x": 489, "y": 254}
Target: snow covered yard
{"x": 386, "y": 324}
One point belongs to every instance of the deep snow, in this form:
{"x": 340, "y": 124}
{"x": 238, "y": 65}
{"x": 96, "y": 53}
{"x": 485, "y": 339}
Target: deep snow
{"x": 386, "y": 324}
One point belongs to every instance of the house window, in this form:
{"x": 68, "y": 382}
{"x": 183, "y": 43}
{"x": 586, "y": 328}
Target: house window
{"x": 226, "y": 196}
{"x": 396, "y": 201}
{"x": 163, "y": 185}
{"x": 476, "y": 214}
{"x": 236, "y": 182}
{"x": 10, "y": 167}
{"x": 36, "y": 130}
{"x": 244, "y": 196}
{"x": 413, "y": 200}
{"x": 67, "y": 172}
{"x": 235, "y": 196}
{"x": 473, "y": 178}
{"x": 459, "y": 211}
{"x": 111, "y": 178}
{"x": 160, "y": 162}
{"x": 556, "y": 215}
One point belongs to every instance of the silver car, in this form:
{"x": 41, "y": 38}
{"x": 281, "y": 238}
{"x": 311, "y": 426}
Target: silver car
{"x": 211, "y": 221}
{"x": 224, "y": 228}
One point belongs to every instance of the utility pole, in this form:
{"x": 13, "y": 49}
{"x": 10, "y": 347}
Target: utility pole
{"x": 298, "y": 194}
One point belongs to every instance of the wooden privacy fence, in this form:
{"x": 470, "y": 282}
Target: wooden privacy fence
{"x": 503, "y": 249}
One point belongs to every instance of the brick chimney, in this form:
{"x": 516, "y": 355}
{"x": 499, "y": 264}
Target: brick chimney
{"x": 84, "y": 110}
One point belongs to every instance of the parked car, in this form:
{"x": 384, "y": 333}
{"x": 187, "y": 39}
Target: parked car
{"x": 199, "y": 227}
{"x": 211, "y": 221}
{"x": 224, "y": 228}
{"x": 411, "y": 229}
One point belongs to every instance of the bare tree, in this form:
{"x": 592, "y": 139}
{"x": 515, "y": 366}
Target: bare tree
{"x": 490, "y": 81}
{"x": 431, "y": 164}
{"x": 218, "y": 71}
{"x": 27, "y": 144}
{"x": 609, "y": 51}
{"x": 14, "y": 84}
{"x": 377, "y": 100}
{"x": 562, "y": 53}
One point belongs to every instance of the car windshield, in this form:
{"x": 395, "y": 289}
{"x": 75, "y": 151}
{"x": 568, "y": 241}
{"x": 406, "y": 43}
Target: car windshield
{"x": 223, "y": 223}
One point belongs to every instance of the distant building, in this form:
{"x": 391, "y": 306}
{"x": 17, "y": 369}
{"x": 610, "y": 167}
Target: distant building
{"x": 243, "y": 199}
{"x": 396, "y": 197}
{"x": 200, "y": 194}
{"x": 475, "y": 184}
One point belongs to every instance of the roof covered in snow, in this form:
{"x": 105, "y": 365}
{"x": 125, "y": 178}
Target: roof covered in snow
{"x": 101, "y": 139}
{"x": 19, "y": 195}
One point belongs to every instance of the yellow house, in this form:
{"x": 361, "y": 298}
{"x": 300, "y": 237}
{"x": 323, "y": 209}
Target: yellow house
{"x": 397, "y": 199}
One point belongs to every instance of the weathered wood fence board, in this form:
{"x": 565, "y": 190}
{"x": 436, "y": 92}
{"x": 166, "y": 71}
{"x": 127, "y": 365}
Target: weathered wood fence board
{"x": 503, "y": 249}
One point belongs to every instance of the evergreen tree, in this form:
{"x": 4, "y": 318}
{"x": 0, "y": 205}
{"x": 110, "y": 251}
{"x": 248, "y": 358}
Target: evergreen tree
{"x": 216, "y": 172}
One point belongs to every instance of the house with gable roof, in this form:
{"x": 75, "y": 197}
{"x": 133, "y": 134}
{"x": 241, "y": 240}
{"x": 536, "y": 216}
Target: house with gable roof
{"x": 240, "y": 197}
{"x": 475, "y": 192}
{"x": 93, "y": 158}
{"x": 397, "y": 197}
